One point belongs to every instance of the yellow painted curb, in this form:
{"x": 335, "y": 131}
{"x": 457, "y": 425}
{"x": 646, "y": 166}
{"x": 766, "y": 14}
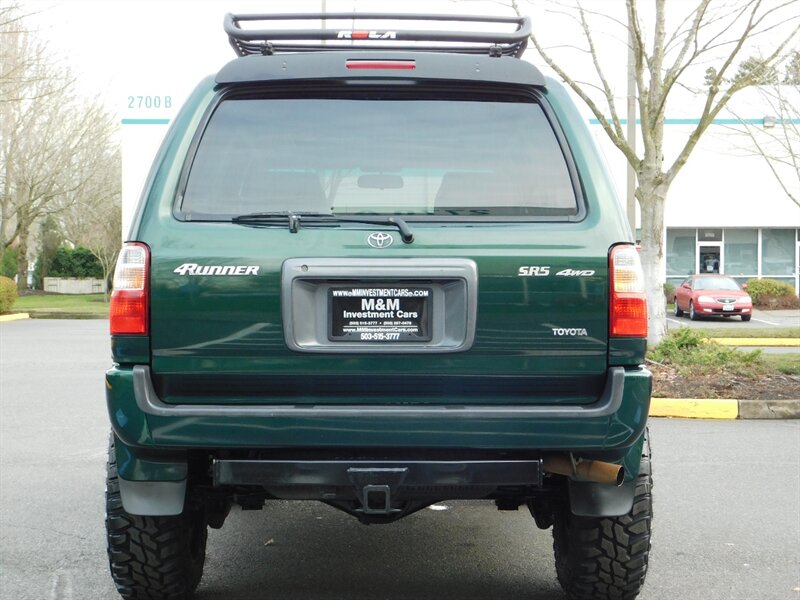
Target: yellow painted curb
{"x": 14, "y": 317}
{"x": 790, "y": 342}
{"x": 694, "y": 408}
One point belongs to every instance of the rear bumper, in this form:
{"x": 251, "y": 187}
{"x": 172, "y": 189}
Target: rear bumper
{"x": 614, "y": 422}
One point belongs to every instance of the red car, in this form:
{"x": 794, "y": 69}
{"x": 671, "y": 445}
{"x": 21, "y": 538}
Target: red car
{"x": 712, "y": 296}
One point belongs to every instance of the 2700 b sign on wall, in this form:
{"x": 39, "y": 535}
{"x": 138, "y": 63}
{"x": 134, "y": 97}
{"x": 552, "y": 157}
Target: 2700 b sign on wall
{"x": 379, "y": 314}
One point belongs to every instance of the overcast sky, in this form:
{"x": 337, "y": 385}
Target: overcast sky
{"x": 128, "y": 48}
{"x": 125, "y": 48}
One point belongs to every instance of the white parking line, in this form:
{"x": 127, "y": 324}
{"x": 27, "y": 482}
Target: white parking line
{"x": 767, "y": 322}
{"x": 673, "y": 321}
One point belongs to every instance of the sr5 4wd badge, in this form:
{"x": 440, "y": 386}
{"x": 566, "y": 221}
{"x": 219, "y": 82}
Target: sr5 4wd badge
{"x": 544, "y": 271}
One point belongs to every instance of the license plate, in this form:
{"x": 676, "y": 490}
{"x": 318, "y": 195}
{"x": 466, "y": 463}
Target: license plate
{"x": 727, "y": 307}
{"x": 379, "y": 313}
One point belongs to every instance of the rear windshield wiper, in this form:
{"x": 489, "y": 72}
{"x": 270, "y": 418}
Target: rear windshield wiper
{"x": 296, "y": 218}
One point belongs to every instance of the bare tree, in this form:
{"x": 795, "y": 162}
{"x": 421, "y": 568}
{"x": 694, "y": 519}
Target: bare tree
{"x": 51, "y": 141}
{"x": 712, "y": 33}
{"x": 792, "y": 76}
{"x": 94, "y": 220}
{"x": 777, "y": 140}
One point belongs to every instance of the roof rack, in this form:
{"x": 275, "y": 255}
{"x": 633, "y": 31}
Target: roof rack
{"x": 270, "y": 41}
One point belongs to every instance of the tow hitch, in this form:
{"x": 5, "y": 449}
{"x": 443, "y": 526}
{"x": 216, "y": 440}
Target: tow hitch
{"x": 375, "y": 487}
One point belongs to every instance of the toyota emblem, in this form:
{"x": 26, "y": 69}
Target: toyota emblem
{"x": 380, "y": 240}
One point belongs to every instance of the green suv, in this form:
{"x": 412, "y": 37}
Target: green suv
{"x": 378, "y": 269}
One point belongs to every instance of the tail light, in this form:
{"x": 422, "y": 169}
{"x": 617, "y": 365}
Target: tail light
{"x": 628, "y": 312}
{"x": 129, "y": 300}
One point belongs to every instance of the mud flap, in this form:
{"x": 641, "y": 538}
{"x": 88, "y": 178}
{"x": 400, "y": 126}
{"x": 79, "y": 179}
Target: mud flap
{"x": 587, "y": 499}
{"x": 152, "y": 498}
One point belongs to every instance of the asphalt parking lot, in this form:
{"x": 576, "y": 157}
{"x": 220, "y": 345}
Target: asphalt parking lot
{"x": 762, "y": 319}
{"x": 727, "y": 509}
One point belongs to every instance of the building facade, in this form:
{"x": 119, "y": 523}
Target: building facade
{"x": 741, "y": 252}
{"x": 727, "y": 212}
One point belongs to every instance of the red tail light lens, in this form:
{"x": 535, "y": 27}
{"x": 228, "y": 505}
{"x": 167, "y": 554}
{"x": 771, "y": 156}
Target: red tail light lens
{"x": 628, "y": 306}
{"x": 129, "y": 300}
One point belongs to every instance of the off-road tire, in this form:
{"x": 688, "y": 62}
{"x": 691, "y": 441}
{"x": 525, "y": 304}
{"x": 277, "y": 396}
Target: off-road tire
{"x": 746, "y": 317}
{"x": 605, "y": 558}
{"x": 153, "y": 558}
{"x": 678, "y": 311}
{"x": 692, "y": 312}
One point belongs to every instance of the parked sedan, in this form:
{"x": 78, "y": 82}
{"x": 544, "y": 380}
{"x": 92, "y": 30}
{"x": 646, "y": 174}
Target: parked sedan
{"x": 712, "y": 295}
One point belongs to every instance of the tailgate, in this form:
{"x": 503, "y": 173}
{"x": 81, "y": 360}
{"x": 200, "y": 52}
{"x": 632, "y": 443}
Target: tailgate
{"x": 502, "y": 297}
{"x": 320, "y": 316}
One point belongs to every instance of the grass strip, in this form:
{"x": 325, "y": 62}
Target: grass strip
{"x": 93, "y": 304}
{"x": 787, "y": 364}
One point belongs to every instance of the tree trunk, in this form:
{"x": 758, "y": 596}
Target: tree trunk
{"x": 652, "y": 202}
{"x": 22, "y": 258}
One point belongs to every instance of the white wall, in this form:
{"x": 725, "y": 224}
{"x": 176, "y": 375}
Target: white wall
{"x": 725, "y": 183}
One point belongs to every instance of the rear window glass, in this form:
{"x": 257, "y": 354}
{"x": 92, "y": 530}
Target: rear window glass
{"x": 405, "y": 157}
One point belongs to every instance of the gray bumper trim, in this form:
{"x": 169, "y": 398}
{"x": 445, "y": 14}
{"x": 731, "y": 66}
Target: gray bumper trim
{"x": 608, "y": 404}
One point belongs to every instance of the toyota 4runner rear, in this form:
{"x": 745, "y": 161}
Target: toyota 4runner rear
{"x": 378, "y": 269}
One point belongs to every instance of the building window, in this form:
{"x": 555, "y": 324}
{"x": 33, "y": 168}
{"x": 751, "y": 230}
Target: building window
{"x": 777, "y": 252}
{"x": 681, "y": 245}
{"x": 741, "y": 252}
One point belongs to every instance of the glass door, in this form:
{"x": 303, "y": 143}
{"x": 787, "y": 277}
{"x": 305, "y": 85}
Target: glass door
{"x": 709, "y": 258}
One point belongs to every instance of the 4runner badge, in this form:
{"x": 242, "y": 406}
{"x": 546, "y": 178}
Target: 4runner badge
{"x": 195, "y": 269}
{"x": 380, "y": 240}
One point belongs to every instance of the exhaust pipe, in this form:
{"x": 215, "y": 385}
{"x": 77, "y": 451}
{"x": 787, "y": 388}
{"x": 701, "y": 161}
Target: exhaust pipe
{"x": 596, "y": 471}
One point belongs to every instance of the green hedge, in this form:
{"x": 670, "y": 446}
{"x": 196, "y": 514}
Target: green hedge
{"x": 8, "y": 263}
{"x": 669, "y": 292}
{"x": 8, "y": 294}
{"x": 78, "y": 262}
{"x": 759, "y": 289}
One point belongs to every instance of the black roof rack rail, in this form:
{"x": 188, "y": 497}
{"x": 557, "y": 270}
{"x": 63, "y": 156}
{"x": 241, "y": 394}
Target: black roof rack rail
{"x": 270, "y": 41}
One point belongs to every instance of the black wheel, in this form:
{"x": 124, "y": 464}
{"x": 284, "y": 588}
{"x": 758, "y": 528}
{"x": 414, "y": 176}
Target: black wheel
{"x": 692, "y": 314}
{"x": 678, "y": 311}
{"x": 605, "y": 558}
{"x": 158, "y": 558}
{"x": 746, "y": 317}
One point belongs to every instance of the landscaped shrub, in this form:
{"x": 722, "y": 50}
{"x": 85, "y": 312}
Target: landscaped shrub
{"x": 8, "y": 263}
{"x": 685, "y": 349}
{"x": 785, "y": 302}
{"x": 762, "y": 290}
{"x": 78, "y": 262}
{"x": 677, "y": 344}
{"x": 8, "y": 294}
{"x": 669, "y": 292}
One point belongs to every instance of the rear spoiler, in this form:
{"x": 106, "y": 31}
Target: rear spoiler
{"x": 270, "y": 41}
